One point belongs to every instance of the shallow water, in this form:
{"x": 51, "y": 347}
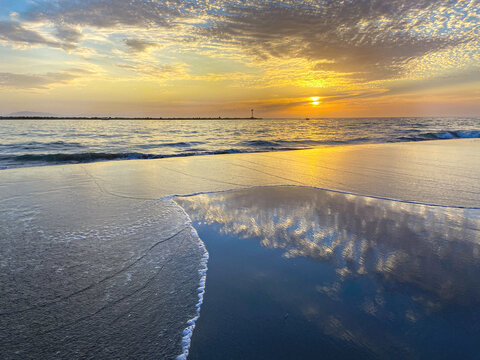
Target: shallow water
{"x": 304, "y": 273}
{"x": 41, "y": 142}
{"x": 85, "y": 276}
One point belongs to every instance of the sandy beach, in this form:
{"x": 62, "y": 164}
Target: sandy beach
{"x": 97, "y": 259}
{"x": 433, "y": 172}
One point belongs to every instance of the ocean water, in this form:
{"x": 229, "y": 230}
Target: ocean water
{"x": 46, "y": 142}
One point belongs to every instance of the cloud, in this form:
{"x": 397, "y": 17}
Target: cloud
{"x": 68, "y": 34}
{"x": 335, "y": 45}
{"x": 157, "y": 72}
{"x": 14, "y": 32}
{"x": 365, "y": 40}
{"x": 460, "y": 77}
{"x": 138, "y": 45}
{"x": 70, "y": 17}
{"x": 107, "y": 13}
{"x": 369, "y": 39}
{"x": 40, "y": 81}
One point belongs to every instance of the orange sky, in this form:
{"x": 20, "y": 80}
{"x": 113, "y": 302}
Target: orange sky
{"x": 204, "y": 58}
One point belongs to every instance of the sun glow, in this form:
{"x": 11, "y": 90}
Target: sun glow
{"x": 315, "y": 101}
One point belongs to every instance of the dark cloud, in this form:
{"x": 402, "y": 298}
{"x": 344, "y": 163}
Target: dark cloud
{"x": 68, "y": 15}
{"x": 138, "y": 45}
{"x": 372, "y": 39}
{"x": 39, "y": 81}
{"x": 108, "y": 13}
{"x": 68, "y": 34}
{"x": 14, "y": 32}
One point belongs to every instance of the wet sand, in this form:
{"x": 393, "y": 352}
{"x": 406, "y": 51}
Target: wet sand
{"x": 85, "y": 260}
{"x": 445, "y": 172}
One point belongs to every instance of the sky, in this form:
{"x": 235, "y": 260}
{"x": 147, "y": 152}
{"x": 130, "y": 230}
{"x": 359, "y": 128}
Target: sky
{"x": 344, "y": 58}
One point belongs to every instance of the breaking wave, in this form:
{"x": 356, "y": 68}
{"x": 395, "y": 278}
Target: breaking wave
{"x": 93, "y": 156}
{"x": 443, "y": 135}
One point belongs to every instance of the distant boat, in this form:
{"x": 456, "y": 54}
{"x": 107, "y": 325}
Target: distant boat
{"x": 307, "y": 118}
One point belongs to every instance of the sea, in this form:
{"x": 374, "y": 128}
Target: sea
{"x": 37, "y": 142}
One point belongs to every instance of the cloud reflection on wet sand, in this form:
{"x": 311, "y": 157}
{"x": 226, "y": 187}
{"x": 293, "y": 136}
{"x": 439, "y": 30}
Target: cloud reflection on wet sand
{"x": 431, "y": 252}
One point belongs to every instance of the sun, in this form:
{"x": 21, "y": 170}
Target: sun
{"x": 315, "y": 100}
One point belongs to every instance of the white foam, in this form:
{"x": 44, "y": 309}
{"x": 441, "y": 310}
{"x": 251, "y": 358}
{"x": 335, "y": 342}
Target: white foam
{"x": 188, "y": 331}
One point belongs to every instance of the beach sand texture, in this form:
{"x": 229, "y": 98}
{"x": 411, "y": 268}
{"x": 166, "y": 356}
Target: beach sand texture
{"x": 97, "y": 259}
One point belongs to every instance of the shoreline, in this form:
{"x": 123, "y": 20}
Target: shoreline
{"x": 110, "y": 157}
{"x": 435, "y": 172}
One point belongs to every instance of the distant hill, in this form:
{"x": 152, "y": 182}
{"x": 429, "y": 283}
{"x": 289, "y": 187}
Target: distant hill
{"x": 31, "y": 114}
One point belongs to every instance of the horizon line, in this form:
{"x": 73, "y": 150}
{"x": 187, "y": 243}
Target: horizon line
{"x": 59, "y": 117}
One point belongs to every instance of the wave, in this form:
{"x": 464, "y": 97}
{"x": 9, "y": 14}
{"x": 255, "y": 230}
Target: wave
{"x": 180, "y": 144}
{"x": 260, "y": 143}
{"x": 85, "y": 157}
{"x": 10, "y": 159}
{"x": 442, "y": 135}
{"x": 37, "y": 145}
{"x": 300, "y": 144}
{"x": 78, "y": 157}
{"x": 94, "y": 156}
